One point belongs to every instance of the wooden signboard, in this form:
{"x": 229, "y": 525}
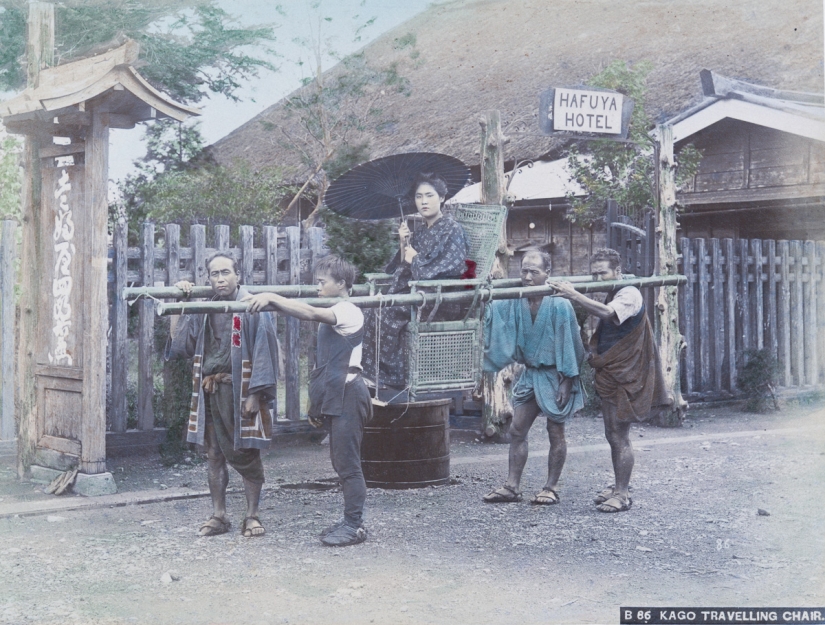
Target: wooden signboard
{"x": 591, "y": 112}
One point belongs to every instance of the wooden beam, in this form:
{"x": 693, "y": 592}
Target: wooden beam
{"x": 762, "y": 194}
{"x": 671, "y": 341}
{"x": 716, "y": 85}
{"x": 96, "y": 324}
{"x": 39, "y": 50}
{"x": 40, "y": 42}
{"x": 53, "y": 151}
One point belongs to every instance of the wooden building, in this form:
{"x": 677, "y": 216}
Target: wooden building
{"x": 762, "y": 173}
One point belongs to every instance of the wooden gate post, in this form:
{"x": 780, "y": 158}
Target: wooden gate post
{"x": 61, "y": 378}
{"x": 671, "y": 342}
{"x": 496, "y": 409}
{"x": 39, "y": 54}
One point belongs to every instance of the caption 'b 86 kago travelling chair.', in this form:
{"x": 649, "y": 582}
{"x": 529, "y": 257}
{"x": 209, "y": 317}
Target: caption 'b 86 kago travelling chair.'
{"x": 446, "y": 356}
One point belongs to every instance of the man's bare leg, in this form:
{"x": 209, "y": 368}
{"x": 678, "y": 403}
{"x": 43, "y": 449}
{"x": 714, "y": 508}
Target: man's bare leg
{"x": 557, "y": 454}
{"x": 218, "y": 479}
{"x": 252, "y": 526}
{"x": 621, "y": 450}
{"x": 523, "y": 418}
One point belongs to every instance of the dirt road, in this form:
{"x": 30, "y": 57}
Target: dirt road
{"x": 439, "y": 555}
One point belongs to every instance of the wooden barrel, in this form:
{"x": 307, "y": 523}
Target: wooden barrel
{"x": 407, "y": 445}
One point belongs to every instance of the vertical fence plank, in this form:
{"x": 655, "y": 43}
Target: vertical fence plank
{"x": 246, "y": 261}
{"x": 703, "y": 329}
{"x": 718, "y": 325}
{"x": 292, "y": 376}
{"x": 172, "y": 254}
{"x": 687, "y": 263}
{"x": 271, "y": 252}
{"x": 120, "y": 322}
{"x": 730, "y": 311}
{"x": 612, "y": 217}
{"x": 771, "y": 337}
{"x": 146, "y": 334}
{"x": 784, "y": 311}
{"x": 8, "y": 248}
{"x": 758, "y": 302}
{"x": 810, "y": 327}
{"x": 197, "y": 241}
{"x": 221, "y": 237}
{"x": 744, "y": 296}
{"x": 819, "y": 275}
{"x": 315, "y": 243}
{"x": 797, "y": 315}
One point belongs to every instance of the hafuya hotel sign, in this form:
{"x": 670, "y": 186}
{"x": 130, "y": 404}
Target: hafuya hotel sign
{"x": 584, "y": 111}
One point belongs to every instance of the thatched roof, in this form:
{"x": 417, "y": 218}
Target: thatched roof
{"x": 500, "y": 54}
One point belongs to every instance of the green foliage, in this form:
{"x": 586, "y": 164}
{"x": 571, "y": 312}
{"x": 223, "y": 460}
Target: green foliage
{"x": 177, "y": 394}
{"x": 235, "y": 195}
{"x": 369, "y": 245}
{"x": 12, "y": 45}
{"x": 625, "y": 172}
{"x": 176, "y": 183}
{"x": 188, "y": 48}
{"x": 758, "y": 378}
{"x": 336, "y": 112}
{"x": 10, "y": 179}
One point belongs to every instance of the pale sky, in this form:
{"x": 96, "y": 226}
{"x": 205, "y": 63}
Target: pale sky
{"x": 220, "y": 115}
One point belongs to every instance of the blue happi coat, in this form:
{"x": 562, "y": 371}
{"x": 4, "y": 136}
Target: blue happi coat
{"x": 549, "y": 346}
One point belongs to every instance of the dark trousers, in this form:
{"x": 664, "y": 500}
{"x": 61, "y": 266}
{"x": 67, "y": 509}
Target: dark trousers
{"x": 346, "y": 432}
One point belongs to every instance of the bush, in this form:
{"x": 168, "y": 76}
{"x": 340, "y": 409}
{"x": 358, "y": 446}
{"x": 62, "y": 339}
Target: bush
{"x": 758, "y": 378}
{"x": 369, "y": 245}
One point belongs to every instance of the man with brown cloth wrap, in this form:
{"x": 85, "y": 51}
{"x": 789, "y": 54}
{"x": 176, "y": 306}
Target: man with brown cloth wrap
{"x": 629, "y": 378}
{"x": 234, "y": 377}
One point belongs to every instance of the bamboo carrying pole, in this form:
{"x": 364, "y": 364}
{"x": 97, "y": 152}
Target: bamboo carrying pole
{"x": 487, "y": 293}
{"x": 309, "y": 290}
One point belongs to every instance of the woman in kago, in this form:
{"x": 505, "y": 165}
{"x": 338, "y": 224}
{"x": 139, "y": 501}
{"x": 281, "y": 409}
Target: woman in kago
{"x": 435, "y": 251}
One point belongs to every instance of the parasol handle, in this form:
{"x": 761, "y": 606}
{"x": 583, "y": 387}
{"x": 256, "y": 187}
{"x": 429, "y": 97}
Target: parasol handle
{"x": 403, "y": 219}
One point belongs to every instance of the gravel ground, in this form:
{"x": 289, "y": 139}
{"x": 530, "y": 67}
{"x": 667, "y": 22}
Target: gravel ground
{"x": 694, "y": 537}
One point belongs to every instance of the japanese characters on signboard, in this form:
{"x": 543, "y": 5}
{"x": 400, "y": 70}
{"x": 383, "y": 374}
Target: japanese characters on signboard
{"x": 593, "y": 112}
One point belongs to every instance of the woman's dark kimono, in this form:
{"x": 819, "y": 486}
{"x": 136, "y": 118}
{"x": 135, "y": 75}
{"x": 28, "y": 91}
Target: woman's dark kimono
{"x": 442, "y": 252}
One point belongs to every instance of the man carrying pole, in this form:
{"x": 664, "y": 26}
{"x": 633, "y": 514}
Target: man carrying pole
{"x": 542, "y": 334}
{"x": 234, "y": 378}
{"x": 338, "y": 397}
{"x": 629, "y": 378}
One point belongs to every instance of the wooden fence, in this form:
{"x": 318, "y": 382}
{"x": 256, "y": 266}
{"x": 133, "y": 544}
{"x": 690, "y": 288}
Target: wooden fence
{"x": 751, "y": 294}
{"x": 283, "y": 256}
{"x": 8, "y": 256}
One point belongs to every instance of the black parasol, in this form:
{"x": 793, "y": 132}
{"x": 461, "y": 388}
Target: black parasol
{"x": 382, "y": 189}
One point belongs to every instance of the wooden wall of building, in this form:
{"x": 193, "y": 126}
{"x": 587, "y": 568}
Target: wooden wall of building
{"x": 569, "y": 246}
{"x": 755, "y": 182}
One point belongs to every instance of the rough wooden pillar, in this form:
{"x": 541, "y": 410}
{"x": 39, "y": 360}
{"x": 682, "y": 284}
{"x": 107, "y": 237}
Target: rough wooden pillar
{"x": 39, "y": 53}
{"x": 40, "y": 40}
{"x": 671, "y": 342}
{"x": 93, "y": 449}
{"x": 496, "y": 409}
